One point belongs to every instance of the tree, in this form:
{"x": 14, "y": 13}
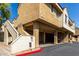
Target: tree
{"x": 4, "y": 12}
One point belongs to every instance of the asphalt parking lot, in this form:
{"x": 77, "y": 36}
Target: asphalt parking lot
{"x": 67, "y": 49}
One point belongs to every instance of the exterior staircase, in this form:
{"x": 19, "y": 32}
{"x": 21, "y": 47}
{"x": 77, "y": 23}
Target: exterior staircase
{"x": 19, "y": 42}
{"x": 22, "y": 31}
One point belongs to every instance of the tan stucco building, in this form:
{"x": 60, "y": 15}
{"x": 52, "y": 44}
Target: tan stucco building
{"x": 48, "y": 23}
{"x": 76, "y": 35}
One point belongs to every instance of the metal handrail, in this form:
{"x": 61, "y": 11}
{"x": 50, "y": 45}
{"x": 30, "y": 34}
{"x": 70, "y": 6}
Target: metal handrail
{"x": 12, "y": 27}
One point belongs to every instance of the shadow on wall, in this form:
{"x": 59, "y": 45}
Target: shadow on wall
{"x": 1, "y": 36}
{"x": 61, "y": 37}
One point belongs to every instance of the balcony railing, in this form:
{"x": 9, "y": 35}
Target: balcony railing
{"x": 69, "y": 22}
{"x": 50, "y": 14}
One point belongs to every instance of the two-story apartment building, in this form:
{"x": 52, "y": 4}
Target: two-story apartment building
{"x": 47, "y": 22}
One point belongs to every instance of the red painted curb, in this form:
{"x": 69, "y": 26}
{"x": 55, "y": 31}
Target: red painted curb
{"x": 28, "y": 53}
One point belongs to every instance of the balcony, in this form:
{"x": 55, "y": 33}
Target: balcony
{"x": 50, "y": 14}
{"x": 71, "y": 24}
{"x": 68, "y": 24}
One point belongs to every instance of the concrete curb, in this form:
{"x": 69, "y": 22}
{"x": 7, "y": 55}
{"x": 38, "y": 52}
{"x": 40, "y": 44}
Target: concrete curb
{"x": 31, "y": 52}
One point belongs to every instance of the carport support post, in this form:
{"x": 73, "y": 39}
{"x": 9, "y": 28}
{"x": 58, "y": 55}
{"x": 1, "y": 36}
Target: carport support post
{"x": 78, "y": 39}
{"x": 5, "y": 36}
{"x": 36, "y": 33}
{"x": 66, "y": 38}
{"x": 55, "y": 37}
{"x": 44, "y": 37}
{"x": 70, "y": 38}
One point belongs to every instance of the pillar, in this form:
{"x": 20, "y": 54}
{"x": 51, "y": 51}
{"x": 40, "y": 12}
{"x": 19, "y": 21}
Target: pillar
{"x": 21, "y": 30}
{"x": 71, "y": 38}
{"x": 55, "y": 37}
{"x": 78, "y": 39}
{"x": 36, "y": 33}
{"x": 5, "y": 36}
{"x": 44, "y": 38}
{"x": 66, "y": 39}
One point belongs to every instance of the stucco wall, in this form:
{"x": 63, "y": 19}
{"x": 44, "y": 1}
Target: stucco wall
{"x": 22, "y": 43}
{"x": 27, "y": 12}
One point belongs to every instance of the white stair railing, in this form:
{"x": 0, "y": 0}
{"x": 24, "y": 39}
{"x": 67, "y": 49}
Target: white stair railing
{"x": 11, "y": 29}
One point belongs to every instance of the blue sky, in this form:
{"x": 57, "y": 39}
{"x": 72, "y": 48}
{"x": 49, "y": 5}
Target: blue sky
{"x": 73, "y": 10}
{"x": 14, "y": 11}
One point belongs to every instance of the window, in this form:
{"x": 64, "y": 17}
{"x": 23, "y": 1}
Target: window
{"x": 52, "y": 9}
{"x": 70, "y": 23}
{"x": 65, "y": 18}
{"x": 50, "y": 6}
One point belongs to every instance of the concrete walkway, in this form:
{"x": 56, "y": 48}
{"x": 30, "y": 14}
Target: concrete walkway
{"x": 68, "y": 49}
{"x": 4, "y": 50}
